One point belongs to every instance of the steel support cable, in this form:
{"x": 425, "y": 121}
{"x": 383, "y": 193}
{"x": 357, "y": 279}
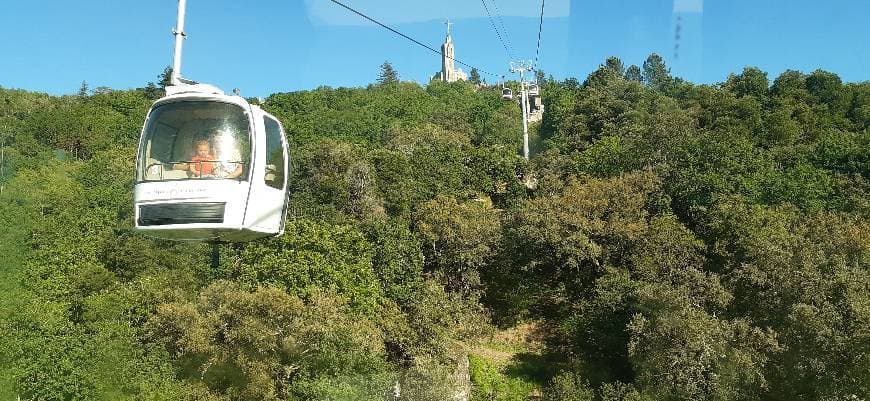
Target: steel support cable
{"x": 540, "y": 28}
{"x": 497, "y": 32}
{"x": 507, "y": 36}
{"x": 407, "y": 37}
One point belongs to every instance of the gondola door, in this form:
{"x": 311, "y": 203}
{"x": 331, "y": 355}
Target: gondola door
{"x": 268, "y": 198}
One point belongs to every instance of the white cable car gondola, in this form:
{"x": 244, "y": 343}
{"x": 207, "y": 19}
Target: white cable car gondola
{"x": 507, "y": 94}
{"x": 210, "y": 167}
{"x": 535, "y": 96}
{"x": 533, "y": 89}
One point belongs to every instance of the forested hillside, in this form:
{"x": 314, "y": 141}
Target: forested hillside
{"x": 666, "y": 241}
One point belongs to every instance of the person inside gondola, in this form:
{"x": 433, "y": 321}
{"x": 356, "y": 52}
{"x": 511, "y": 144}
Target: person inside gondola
{"x": 202, "y": 163}
{"x": 229, "y": 159}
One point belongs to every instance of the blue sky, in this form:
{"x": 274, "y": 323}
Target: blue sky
{"x": 269, "y": 46}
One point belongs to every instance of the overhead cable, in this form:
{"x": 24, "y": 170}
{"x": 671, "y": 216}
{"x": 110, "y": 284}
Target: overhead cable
{"x": 407, "y": 37}
{"x": 507, "y": 36}
{"x": 495, "y": 28}
{"x": 540, "y": 28}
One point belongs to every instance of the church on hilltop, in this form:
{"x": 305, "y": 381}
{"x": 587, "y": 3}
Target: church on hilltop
{"x": 449, "y": 72}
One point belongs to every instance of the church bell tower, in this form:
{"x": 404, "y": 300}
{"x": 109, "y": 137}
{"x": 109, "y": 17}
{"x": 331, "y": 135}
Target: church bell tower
{"x": 449, "y": 72}
{"x": 447, "y": 56}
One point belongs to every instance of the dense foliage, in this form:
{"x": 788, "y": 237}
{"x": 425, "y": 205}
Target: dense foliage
{"x": 670, "y": 241}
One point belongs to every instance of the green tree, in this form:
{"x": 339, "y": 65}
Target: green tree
{"x": 312, "y": 255}
{"x": 860, "y": 110}
{"x": 655, "y": 73}
{"x": 615, "y": 65}
{"x": 460, "y": 239}
{"x": 83, "y": 90}
{"x": 474, "y": 76}
{"x": 590, "y": 254}
{"x": 633, "y": 73}
{"x": 568, "y": 386}
{"x": 789, "y": 83}
{"x": 388, "y": 74}
{"x": 827, "y": 88}
{"x": 752, "y": 82}
{"x": 807, "y": 294}
{"x": 165, "y": 78}
{"x": 262, "y": 344}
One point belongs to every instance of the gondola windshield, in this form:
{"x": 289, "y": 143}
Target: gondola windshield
{"x": 195, "y": 140}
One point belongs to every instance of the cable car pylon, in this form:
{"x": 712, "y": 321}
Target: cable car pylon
{"x": 520, "y": 67}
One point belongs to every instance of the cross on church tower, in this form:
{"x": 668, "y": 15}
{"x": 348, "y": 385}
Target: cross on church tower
{"x": 448, "y": 23}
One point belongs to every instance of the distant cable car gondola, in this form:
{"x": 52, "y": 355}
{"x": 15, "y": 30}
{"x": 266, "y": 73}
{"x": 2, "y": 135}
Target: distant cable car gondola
{"x": 533, "y": 89}
{"x": 507, "y": 94}
{"x": 210, "y": 167}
